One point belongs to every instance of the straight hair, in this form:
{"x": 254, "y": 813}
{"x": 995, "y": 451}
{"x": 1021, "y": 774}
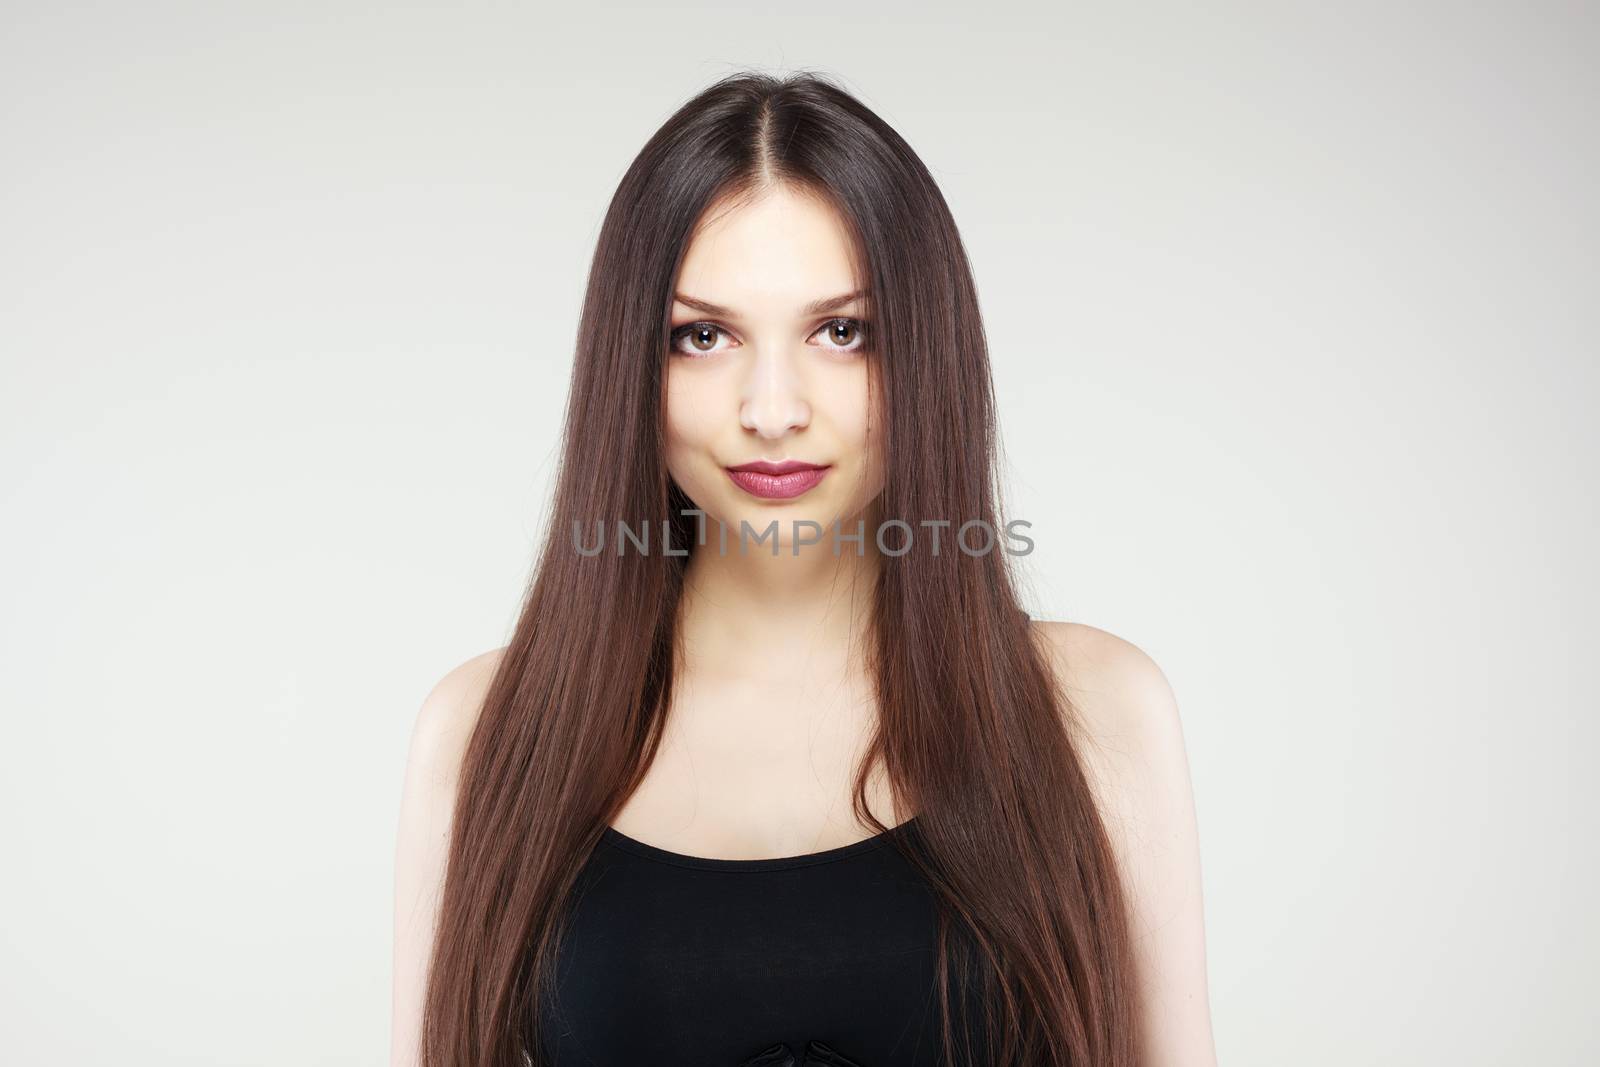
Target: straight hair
{"x": 972, "y": 729}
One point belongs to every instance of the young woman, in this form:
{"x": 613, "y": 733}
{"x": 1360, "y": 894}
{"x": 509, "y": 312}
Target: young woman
{"x": 774, "y": 769}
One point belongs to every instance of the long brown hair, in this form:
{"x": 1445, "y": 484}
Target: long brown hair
{"x": 971, "y": 730}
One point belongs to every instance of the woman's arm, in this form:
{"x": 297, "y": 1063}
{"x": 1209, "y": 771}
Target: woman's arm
{"x": 438, "y": 739}
{"x": 1132, "y": 745}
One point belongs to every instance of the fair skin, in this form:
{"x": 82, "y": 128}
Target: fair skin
{"x": 762, "y": 377}
{"x": 769, "y": 376}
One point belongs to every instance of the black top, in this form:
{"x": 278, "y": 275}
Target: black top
{"x": 825, "y": 958}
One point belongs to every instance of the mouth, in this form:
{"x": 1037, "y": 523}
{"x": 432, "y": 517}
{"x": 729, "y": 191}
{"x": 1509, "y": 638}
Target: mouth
{"x": 777, "y": 481}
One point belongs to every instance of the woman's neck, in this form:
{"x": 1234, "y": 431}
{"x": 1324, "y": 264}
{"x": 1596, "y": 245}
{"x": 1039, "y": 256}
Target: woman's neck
{"x": 779, "y": 615}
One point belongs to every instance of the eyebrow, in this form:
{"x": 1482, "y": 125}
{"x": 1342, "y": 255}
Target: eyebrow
{"x": 816, "y": 307}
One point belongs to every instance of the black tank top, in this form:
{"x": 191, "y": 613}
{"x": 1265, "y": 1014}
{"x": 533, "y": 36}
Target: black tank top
{"x": 825, "y": 958}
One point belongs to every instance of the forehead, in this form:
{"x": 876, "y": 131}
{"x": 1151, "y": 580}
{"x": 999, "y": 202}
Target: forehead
{"x": 783, "y": 249}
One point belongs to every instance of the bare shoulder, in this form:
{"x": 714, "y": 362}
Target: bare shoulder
{"x": 445, "y": 721}
{"x": 439, "y": 735}
{"x": 1125, "y": 719}
{"x": 1120, "y": 699}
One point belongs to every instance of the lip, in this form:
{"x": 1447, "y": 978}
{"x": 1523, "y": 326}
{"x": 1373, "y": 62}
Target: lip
{"x": 785, "y": 466}
{"x": 782, "y": 480}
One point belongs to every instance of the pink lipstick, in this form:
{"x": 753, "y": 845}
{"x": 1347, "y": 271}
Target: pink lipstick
{"x": 777, "y": 481}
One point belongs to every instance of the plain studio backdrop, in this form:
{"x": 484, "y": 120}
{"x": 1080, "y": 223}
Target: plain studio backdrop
{"x": 1293, "y": 318}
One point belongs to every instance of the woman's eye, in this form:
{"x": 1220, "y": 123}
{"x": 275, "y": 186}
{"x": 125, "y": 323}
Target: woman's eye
{"x": 696, "y": 339}
{"x": 701, "y": 338}
{"x": 844, "y": 335}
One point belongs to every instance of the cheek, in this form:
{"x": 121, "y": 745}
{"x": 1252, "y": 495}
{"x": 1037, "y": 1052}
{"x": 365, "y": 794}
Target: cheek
{"x": 860, "y": 432}
{"x": 688, "y": 424}
{"x": 844, "y": 394}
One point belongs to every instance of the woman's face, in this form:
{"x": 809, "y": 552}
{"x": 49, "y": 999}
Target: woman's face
{"x": 768, "y": 362}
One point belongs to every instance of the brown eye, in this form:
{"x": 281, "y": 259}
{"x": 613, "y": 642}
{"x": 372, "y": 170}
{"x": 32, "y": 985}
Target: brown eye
{"x": 844, "y": 335}
{"x": 696, "y": 338}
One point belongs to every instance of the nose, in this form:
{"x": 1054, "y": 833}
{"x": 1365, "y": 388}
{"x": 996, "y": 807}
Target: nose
{"x": 773, "y": 394}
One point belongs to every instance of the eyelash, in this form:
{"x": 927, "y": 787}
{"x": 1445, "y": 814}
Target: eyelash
{"x": 677, "y": 335}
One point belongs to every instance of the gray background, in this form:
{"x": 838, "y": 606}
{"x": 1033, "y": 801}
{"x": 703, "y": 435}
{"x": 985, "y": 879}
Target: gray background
{"x": 1293, "y": 315}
